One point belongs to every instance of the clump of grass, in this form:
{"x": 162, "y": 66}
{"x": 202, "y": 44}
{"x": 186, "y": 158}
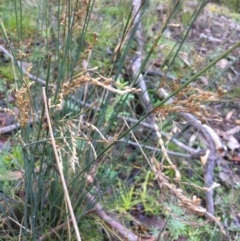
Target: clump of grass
{"x": 75, "y": 102}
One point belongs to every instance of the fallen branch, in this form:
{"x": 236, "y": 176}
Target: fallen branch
{"x": 96, "y": 208}
{"x": 113, "y": 224}
{"x": 9, "y": 128}
{"x": 211, "y": 160}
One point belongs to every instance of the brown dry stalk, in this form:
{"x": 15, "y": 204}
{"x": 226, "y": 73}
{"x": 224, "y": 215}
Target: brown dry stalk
{"x": 84, "y": 78}
{"x": 164, "y": 151}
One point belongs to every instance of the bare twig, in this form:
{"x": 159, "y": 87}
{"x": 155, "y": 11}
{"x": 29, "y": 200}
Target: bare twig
{"x": 159, "y": 74}
{"x": 20, "y": 225}
{"x": 9, "y": 128}
{"x": 193, "y": 152}
{"x": 155, "y": 149}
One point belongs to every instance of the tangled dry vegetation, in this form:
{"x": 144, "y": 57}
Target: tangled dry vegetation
{"x": 119, "y": 137}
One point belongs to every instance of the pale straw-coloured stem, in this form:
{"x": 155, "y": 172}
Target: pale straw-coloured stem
{"x": 60, "y": 169}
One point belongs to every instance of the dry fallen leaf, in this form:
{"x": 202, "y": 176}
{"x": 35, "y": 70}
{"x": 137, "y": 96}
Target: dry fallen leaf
{"x": 184, "y": 58}
{"x": 237, "y": 122}
{"x": 229, "y": 114}
{"x": 223, "y": 63}
{"x": 215, "y": 137}
{"x": 233, "y": 131}
{"x": 204, "y": 158}
{"x": 11, "y": 176}
{"x": 233, "y": 143}
{"x": 235, "y": 158}
{"x": 204, "y": 80}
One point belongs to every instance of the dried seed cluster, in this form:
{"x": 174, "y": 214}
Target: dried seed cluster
{"x": 189, "y": 100}
{"x": 23, "y": 102}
